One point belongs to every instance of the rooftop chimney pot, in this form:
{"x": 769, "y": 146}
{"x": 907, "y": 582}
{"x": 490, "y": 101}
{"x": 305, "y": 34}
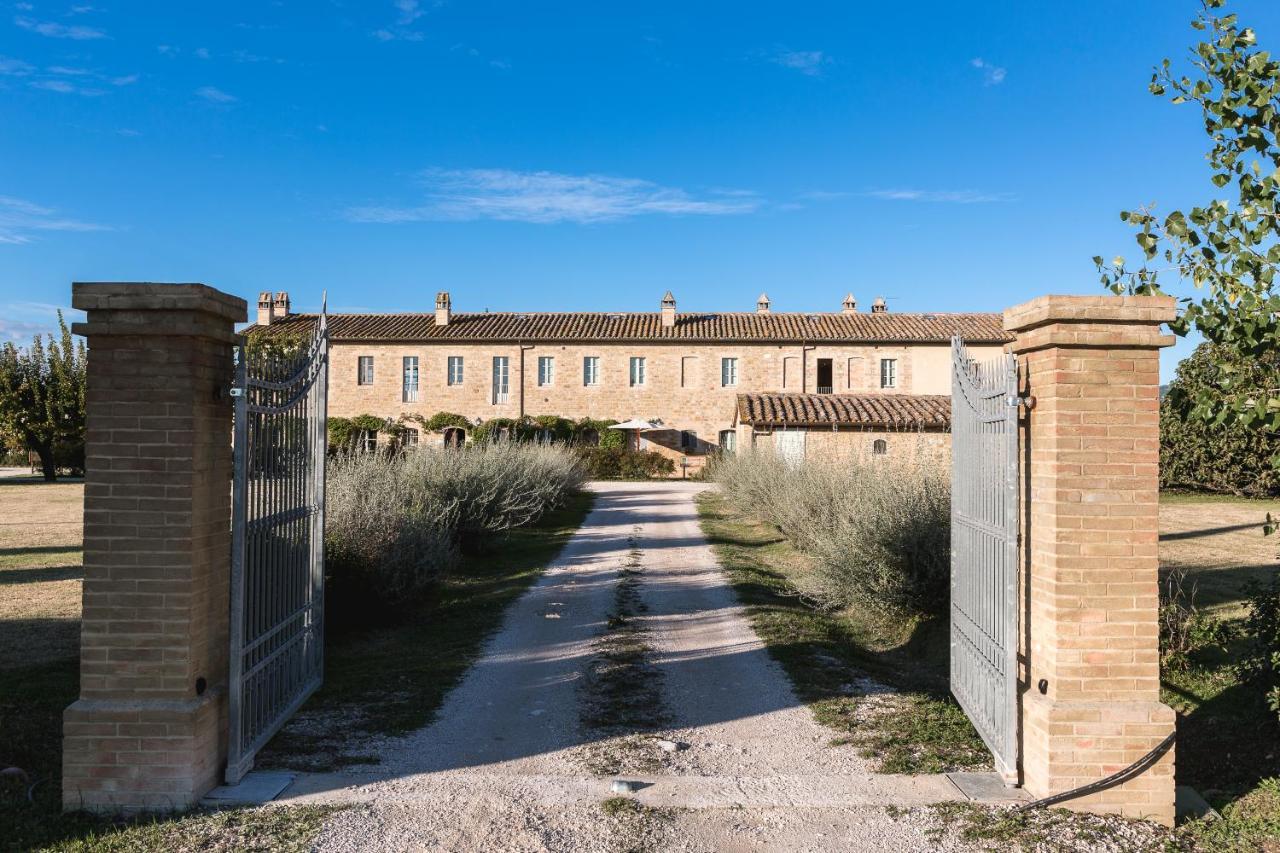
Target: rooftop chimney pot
{"x": 444, "y": 308}
{"x": 850, "y": 305}
{"x": 762, "y": 304}
{"x": 878, "y": 307}
{"x": 668, "y": 311}
{"x": 266, "y": 308}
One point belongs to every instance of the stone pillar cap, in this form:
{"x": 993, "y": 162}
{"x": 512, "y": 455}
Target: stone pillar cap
{"x": 156, "y": 296}
{"x": 1091, "y": 322}
{"x": 1130, "y": 310}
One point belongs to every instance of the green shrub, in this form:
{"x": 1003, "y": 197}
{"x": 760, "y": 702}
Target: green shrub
{"x": 442, "y": 420}
{"x": 1260, "y": 664}
{"x": 617, "y": 463}
{"x": 1230, "y": 456}
{"x": 879, "y": 530}
{"x": 1185, "y": 630}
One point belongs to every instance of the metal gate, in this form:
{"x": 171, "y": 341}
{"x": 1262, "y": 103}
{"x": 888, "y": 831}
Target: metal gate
{"x": 984, "y": 548}
{"x": 277, "y": 558}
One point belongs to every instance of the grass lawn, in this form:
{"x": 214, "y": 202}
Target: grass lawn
{"x": 825, "y": 653}
{"x": 1228, "y": 741}
{"x": 40, "y": 572}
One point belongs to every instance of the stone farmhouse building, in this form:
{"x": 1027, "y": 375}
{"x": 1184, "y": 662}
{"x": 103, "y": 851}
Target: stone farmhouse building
{"x": 850, "y": 381}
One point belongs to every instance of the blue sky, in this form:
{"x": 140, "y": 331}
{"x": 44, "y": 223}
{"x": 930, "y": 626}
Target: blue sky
{"x": 588, "y": 156}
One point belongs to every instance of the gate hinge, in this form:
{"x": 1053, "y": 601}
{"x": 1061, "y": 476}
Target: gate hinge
{"x": 236, "y": 392}
{"x": 1014, "y": 401}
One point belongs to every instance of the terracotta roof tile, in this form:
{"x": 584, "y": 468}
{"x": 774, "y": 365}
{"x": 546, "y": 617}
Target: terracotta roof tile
{"x": 914, "y": 411}
{"x": 583, "y": 326}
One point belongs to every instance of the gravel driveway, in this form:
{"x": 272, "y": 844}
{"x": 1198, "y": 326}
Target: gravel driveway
{"x": 503, "y": 766}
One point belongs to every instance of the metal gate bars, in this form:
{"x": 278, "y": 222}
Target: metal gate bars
{"x": 984, "y": 549}
{"x": 277, "y": 558}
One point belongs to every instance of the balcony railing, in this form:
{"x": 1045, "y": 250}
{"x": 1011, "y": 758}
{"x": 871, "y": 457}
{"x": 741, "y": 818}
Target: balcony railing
{"x": 500, "y": 397}
{"x": 410, "y": 394}
{"x": 824, "y": 389}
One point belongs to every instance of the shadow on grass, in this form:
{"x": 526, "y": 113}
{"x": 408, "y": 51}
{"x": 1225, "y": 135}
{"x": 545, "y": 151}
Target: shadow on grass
{"x": 829, "y": 655}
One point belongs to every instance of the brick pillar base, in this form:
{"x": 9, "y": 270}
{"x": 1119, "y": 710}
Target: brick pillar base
{"x": 1091, "y": 704}
{"x": 149, "y": 729}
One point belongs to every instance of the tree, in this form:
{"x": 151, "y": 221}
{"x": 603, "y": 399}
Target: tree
{"x": 1229, "y": 457}
{"x": 42, "y": 398}
{"x": 1228, "y": 248}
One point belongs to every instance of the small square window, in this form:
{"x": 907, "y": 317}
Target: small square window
{"x": 637, "y": 371}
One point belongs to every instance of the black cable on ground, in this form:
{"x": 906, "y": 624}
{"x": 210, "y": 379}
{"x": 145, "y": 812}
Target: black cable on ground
{"x": 1134, "y": 769}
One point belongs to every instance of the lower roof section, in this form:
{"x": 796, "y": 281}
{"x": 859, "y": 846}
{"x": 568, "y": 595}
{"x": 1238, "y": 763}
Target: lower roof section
{"x": 890, "y": 411}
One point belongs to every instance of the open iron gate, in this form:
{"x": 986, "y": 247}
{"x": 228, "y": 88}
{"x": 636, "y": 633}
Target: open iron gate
{"x": 277, "y": 558}
{"x": 984, "y": 549}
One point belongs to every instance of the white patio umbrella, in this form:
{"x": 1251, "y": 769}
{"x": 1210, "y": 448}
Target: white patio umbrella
{"x": 636, "y": 426}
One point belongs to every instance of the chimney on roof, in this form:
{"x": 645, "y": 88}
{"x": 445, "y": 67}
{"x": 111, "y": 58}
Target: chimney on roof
{"x": 266, "y": 308}
{"x": 850, "y": 305}
{"x": 762, "y": 304}
{"x": 878, "y": 307}
{"x": 668, "y": 311}
{"x": 444, "y": 308}
{"x": 281, "y": 305}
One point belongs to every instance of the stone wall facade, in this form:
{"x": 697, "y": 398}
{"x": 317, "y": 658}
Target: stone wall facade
{"x": 682, "y": 385}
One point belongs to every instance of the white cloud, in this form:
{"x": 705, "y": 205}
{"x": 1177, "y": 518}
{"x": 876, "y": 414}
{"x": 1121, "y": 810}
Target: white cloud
{"x": 548, "y": 197}
{"x": 168, "y": 50}
{"x": 126, "y": 80}
{"x": 20, "y": 322}
{"x": 128, "y": 131}
{"x": 807, "y": 62}
{"x": 407, "y": 11}
{"x": 82, "y": 10}
{"x": 202, "y": 53}
{"x": 992, "y": 75}
{"x": 58, "y": 31}
{"x": 215, "y": 95}
{"x": 67, "y": 72}
{"x": 940, "y": 196}
{"x": 53, "y": 86}
{"x": 20, "y": 218}
{"x": 15, "y": 67}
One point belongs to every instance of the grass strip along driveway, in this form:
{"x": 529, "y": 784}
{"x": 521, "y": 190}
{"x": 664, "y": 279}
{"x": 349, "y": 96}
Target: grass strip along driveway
{"x": 388, "y": 679}
{"x": 841, "y": 662}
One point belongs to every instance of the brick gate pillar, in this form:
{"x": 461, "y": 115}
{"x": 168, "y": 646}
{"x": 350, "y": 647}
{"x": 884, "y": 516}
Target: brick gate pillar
{"x": 149, "y": 728}
{"x": 1090, "y": 448}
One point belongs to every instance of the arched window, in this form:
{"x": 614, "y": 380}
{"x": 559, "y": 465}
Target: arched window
{"x": 454, "y": 436}
{"x": 728, "y": 440}
{"x": 880, "y": 447}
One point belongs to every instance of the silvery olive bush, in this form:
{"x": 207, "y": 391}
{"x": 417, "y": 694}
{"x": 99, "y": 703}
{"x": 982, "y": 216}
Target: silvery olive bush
{"x": 394, "y": 523}
{"x": 878, "y": 529}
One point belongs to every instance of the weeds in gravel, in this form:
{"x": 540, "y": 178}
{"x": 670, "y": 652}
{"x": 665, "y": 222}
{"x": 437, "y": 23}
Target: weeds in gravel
{"x": 620, "y": 696}
{"x": 902, "y": 715}
{"x": 1002, "y": 828}
{"x": 283, "y": 828}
